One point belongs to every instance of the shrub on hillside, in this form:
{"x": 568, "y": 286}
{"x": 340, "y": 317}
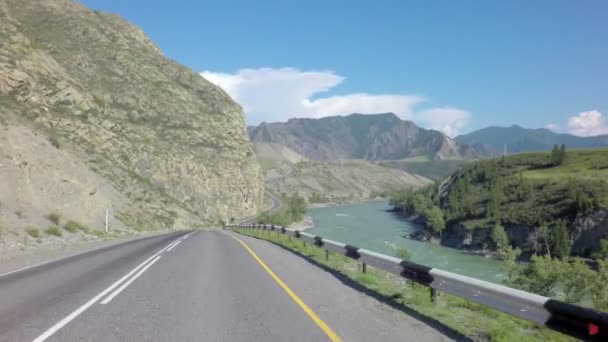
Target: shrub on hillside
{"x": 54, "y": 217}
{"x": 73, "y": 226}
{"x": 33, "y": 232}
{"x": 54, "y": 230}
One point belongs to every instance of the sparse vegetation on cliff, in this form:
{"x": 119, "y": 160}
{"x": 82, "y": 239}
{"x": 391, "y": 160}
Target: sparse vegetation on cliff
{"x": 104, "y": 98}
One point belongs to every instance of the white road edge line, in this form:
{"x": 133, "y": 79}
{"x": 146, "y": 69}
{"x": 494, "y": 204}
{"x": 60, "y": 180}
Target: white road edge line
{"x": 94, "y": 300}
{"x": 88, "y": 304}
{"x": 170, "y": 248}
{"x": 124, "y": 286}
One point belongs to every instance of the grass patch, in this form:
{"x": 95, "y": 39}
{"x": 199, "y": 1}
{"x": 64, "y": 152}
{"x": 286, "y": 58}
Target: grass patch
{"x": 464, "y": 317}
{"x": 54, "y": 217}
{"x": 267, "y": 163}
{"x": 54, "y": 230}
{"x": 33, "y": 232}
{"x": 98, "y": 233}
{"x": 73, "y": 226}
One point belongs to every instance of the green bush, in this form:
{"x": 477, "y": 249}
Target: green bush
{"x": 33, "y": 232}
{"x": 318, "y": 198}
{"x": 73, "y": 226}
{"x": 54, "y": 230}
{"x": 54, "y": 217}
{"x": 403, "y": 254}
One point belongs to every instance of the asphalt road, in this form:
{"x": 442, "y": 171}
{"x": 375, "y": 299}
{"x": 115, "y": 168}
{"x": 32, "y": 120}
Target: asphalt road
{"x": 194, "y": 286}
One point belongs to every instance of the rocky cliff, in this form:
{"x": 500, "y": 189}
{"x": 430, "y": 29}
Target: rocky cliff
{"x": 96, "y": 86}
{"x": 358, "y": 136}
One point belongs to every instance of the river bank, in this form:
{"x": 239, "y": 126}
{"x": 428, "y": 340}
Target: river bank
{"x": 306, "y": 224}
{"x": 340, "y": 204}
{"x": 371, "y": 225}
{"x": 463, "y": 244}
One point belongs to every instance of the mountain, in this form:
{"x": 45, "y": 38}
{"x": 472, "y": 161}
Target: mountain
{"x": 93, "y": 115}
{"x": 271, "y": 155}
{"x": 359, "y": 136}
{"x": 519, "y": 139}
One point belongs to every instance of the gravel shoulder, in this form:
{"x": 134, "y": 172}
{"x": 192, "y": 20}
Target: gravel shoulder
{"x": 63, "y": 248}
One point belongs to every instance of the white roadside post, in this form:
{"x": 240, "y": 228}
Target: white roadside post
{"x": 107, "y": 220}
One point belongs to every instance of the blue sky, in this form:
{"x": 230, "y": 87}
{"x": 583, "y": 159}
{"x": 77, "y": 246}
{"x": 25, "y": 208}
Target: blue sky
{"x": 450, "y": 65}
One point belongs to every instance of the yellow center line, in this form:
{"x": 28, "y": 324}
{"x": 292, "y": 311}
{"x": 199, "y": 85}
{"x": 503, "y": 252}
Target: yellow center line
{"x": 326, "y": 329}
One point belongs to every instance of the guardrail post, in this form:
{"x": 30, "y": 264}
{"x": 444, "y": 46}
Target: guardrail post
{"x": 364, "y": 266}
{"x": 433, "y": 292}
{"x": 327, "y": 255}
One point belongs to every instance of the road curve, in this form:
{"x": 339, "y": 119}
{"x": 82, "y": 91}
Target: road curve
{"x": 199, "y": 286}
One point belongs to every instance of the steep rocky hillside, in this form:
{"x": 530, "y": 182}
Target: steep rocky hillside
{"x": 171, "y": 145}
{"x": 340, "y": 181}
{"x": 38, "y": 180}
{"x": 271, "y": 156}
{"x": 358, "y": 136}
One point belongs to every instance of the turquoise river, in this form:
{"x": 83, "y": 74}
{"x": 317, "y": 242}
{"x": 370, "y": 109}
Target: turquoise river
{"x": 369, "y": 225}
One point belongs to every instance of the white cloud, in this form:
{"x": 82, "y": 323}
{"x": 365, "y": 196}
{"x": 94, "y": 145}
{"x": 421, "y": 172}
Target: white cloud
{"x": 587, "y": 124}
{"x": 268, "y": 94}
{"x": 554, "y": 127}
{"x": 449, "y": 120}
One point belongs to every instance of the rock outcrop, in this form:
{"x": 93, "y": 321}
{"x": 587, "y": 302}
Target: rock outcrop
{"x": 174, "y": 144}
{"x": 588, "y": 231}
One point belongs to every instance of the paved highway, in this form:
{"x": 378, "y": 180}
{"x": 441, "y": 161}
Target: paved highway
{"x": 193, "y": 286}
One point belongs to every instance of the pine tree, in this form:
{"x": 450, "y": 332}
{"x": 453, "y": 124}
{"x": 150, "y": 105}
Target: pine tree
{"x": 560, "y": 240}
{"x": 555, "y": 155}
{"x": 562, "y": 154}
{"x": 543, "y": 240}
{"x": 500, "y": 237}
{"x": 434, "y": 217}
{"x": 509, "y": 261}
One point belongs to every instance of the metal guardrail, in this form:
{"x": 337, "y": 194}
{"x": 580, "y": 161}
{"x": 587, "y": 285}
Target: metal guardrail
{"x": 573, "y": 320}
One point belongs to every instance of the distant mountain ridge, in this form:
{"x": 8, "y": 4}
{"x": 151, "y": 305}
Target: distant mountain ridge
{"x": 519, "y": 139}
{"x": 360, "y": 136}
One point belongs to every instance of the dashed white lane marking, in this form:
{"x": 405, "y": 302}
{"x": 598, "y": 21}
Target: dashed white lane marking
{"x": 151, "y": 260}
{"x": 124, "y": 286}
{"x": 88, "y": 304}
{"x": 170, "y": 248}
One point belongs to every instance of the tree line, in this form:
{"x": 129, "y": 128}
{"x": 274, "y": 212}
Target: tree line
{"x": 422, "y": 203}
{"x": 558, "y": 155}
{"x": 294, "y": 209}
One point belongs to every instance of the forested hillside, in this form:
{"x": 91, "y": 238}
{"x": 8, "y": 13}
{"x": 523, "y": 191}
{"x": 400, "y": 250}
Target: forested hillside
{"x": 534, "y": 197}
{"x": 545, "y": 208}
